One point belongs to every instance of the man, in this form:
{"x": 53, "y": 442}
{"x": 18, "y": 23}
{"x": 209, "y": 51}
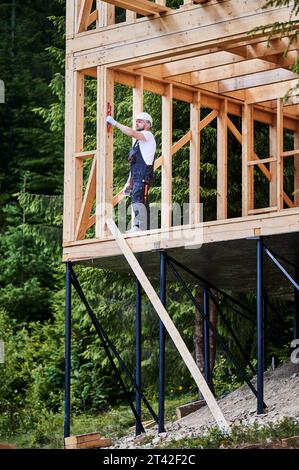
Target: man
{"x": 141, "y": 159}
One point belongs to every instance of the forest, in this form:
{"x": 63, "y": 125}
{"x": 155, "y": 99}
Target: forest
{"x": 32, "y": 276}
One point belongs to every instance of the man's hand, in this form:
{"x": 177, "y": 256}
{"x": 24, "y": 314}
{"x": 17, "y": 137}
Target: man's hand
{"x": 110, "y": 120}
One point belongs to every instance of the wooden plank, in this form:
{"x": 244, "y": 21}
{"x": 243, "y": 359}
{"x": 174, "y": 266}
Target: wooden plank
{"x": 290, "y": 153}
{"x": 131, "y": 16}
{"x": 104, "y": 185}
{"x": 166, "y": 190}
{"x": 170, "y": 327}
{"x": 194, "y": 164}
{"x": 84, "y": 13}
{"x": 269, "y": 92}
{"x": 79, "y": 143}
{"x": 97, "y": 443}
{"x": 87, "y": 204}
{"x": 279, "y": 151}
{"x": 143, "y": 7}
{"x": 185, "y": 410}
{"x": 273, "y": 166}
{"x": 199, "y": 33}
{"x": 222, "y": 162}
{"x": 138, "y": 97}
{"x": 255, "y": 80}
{"x": 208, "y": 119}
{"x": 80, "y": 438}
{"x": 181, "y": 142}
{"x": 106, "y": 14}
{"x": 247, "y": 154}
{"x": 70, "y": 19}
{"x": 227, "y": 71}
{"x": 263, "y": 210}
{"x": 69, "y": 148}
{"x": 84, "y": 155}
{"x": 262, "y": 160}
{"x": 296, "y": 168}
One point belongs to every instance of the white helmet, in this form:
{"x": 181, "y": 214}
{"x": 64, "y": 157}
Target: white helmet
{"x": 145, "y": 117}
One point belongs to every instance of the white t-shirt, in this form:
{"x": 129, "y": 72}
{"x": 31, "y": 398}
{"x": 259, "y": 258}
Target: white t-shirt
{"x": 148, "y": 147}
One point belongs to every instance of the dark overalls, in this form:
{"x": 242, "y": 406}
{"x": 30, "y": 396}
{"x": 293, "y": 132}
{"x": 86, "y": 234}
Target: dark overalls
{"x": 141, "y": 180}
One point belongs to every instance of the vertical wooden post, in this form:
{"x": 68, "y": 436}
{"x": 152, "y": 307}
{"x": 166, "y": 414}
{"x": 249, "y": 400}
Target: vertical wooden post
{"x": 296, "y": 166}
{"x": 130, "y": 16}
{"x": 194, "y": 165}
{"x": 70, "y": 18}
{"x": 79, "y": 142}
{"x": 222, "y": 161}
{"x": 69, "y": 146}
{"x": 247, "y": 154}
{"x": 104, "y": 185}
{"x": 166, "y": 197}
{"x": 279, "y": 151}
{"x": 137, "y": 97}
{"x": 106, "y": 14}
{"x": 273, "y": 165}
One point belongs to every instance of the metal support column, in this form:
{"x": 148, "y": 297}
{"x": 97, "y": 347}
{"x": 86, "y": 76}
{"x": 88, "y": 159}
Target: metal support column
{"x": 206, "y": 311}
{"x": 162, "y": 344}
{"x": 260, "y": 327}
{"x": 138, "y": 355}
{"x": 265, "y": 312}
{"x": 296, "y": 313}
{"x": 68, "y": 320}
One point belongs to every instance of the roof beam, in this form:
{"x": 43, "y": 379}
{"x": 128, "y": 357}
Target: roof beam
{"x": 215, "y": 25}
{"x": 143, "y": 7}
{"x": 269, "y": 92}
{"x": 255, "y": 80}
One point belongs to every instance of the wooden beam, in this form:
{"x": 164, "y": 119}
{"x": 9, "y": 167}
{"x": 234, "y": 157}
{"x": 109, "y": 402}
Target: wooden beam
{"x": 224, "y": 72}
{"x": 201, "y": 31}
{"x": 181, "y": 142}
{"x": 269, "y": 92}
{"x": 138, "y": 97}
{"x": 169, "y": 325}
{"x": 194, "y": 164}
{"x": 279, "y": 151}
{"x": 69, "y": 148}
{"x": 87, "y": 204}
{"x": 255, "y": 80}
{"x": 296, "y": 167}
{"x": 84, "y": 13}
{"x": 143, "y": 7}
{"x": 106, "y": 14}
{"x": 70, "y": 24}
{"x": 247, "y": 155}
{"x": 273, "y": 166}
{"x": 166, "y": 192}
{"x": 222, "y": 162}
{"x": 79, "y": 143}
{"x": 208, "y": 119}
{"x": 104, "y": 185}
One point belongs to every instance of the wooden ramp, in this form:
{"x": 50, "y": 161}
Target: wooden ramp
{"x": 169, "y": 325}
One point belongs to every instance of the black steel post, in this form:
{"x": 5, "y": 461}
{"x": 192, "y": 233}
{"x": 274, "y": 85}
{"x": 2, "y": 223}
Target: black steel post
{"x": 296, "y": 313}
{"x": 138, "y": 355}
{"x": 265, "y": 312}
{"x": 162, "y": 344}
{"x": 68, "y": 323}
{"x": 206, "y": 310}
{"x": 260, "y": 329}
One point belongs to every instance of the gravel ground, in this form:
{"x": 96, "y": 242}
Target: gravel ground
{"x": 281, "y": 394}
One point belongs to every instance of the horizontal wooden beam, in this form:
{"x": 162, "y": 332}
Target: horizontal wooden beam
{"x": 191, "y": 30}
{"x": 143, "y": 7}
{"x": 269, "y": 92}
{"x": 255, "y": 80}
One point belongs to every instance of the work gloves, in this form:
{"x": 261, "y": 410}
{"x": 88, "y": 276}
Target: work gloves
{"x": 110, "y": 120}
